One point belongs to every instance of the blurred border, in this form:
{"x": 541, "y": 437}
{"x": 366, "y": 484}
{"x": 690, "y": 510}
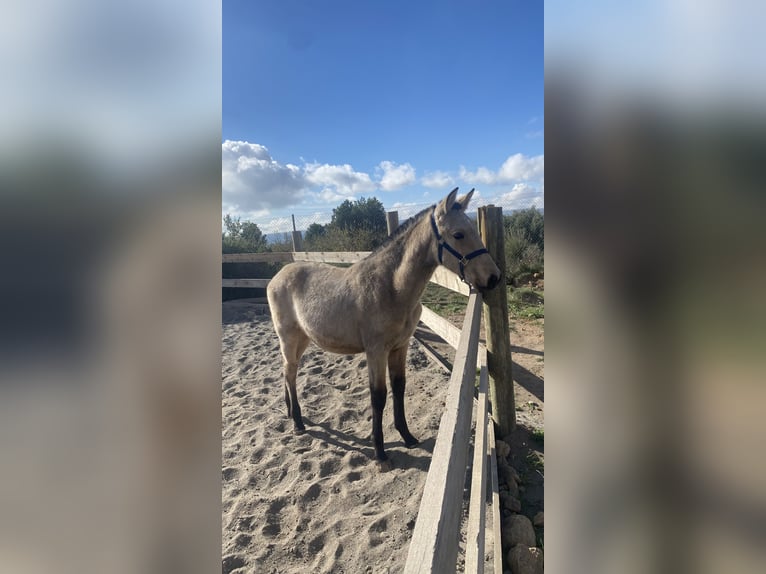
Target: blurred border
{"x": 655, "y": 160}
{"x": 110, "y": 292}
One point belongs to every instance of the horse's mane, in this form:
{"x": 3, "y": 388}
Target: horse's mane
{"x": 403, "y": 228}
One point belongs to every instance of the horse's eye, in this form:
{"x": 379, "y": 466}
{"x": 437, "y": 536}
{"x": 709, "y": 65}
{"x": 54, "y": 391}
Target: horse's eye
{"x": 458, "y": 235}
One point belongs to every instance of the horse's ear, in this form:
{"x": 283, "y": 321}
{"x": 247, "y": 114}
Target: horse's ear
{"x": 463, "y": 201}
{"x": 448, "y": 202}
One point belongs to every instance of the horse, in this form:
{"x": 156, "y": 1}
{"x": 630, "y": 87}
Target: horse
{"x": 373, "y": 306}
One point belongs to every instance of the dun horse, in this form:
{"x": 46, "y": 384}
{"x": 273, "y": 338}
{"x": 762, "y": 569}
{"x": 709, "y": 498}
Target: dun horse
{"x": 374, "y": 306}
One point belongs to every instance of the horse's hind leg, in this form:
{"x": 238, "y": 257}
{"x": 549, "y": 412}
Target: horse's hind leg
{"x": 397, "y": 362}
{"x": 292, "y": 351}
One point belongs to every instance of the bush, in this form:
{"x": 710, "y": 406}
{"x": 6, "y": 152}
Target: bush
{"x": 524, "y": 245}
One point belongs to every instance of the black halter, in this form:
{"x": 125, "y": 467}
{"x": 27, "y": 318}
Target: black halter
{"x": 463, "y": 260}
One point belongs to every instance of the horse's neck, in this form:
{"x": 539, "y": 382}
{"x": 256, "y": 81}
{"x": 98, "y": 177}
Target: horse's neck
{"x": 416, "y": 263}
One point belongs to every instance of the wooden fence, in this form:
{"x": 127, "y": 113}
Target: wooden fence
{"x": 434, "y": 544}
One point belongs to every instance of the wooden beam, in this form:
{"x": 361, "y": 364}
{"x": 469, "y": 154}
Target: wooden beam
{"x": 392, "y": 221}
{"x": 245, "y": 282}
{"x": 257, "y": 257}
{"x": 434, "y": 543}
{"x": 297, "y": 241}
{"x": 331, "y": 256}
{"x": 497, "y": 534}
{"x": 446, "y": 278}
{"x": 496, "y": 325}
{"x": 446, "y": 330}
{"x": 440, "y": 326}
{"x": 474, "y": 550}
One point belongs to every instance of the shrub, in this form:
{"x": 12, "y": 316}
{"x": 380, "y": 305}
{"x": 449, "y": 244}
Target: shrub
{"x": 524, "y": 245}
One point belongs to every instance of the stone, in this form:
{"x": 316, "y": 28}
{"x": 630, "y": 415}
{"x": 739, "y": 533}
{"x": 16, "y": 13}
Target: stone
{"x": 507, "y": 473}
{"x": 513, "y": 488}
{"x": 518, "y": 531}
{"x": 539, "y": 519}
{"x": 509, "y": 502}
{"x": 502, "y": 449}
{"x": 526, "y": 560}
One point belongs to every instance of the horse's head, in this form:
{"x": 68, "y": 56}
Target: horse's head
{"x": 458, "y": 243}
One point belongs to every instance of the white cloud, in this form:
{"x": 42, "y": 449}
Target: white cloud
{"x": 341, "y": 177}
{"x": 437, "y": 179}
{"x": 330, "y": 196}
{"x": 253, "y": 182}
{"x": 481, "y": 175}
{"x": 521, "y": 196}
{"x": 395, "y": 176}
{"x": 516, "y": 168}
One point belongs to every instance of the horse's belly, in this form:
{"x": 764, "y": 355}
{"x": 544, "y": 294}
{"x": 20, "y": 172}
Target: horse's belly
{"x": 341, "y": 349}
{"x": 334, "y": 340}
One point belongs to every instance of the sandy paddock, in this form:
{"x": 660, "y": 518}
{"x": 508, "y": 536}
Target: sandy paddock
{"x": 317, "y": 502}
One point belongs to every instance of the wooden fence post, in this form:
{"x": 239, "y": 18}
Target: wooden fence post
{"x": 392, "y": 221}
{"x": 297, "y": 241}
{"x": 496, "y": 321}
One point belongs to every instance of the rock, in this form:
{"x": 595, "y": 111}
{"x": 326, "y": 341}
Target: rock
{"x": 507, "y": 473}
{"x": 513, "y": 488}
{"x": 526, "y": 560}
{"x": 510, "y": 502}
{"x": 518, "y": 531}
{"x": 539, "y": 519}
{"x": 502, "y": 449}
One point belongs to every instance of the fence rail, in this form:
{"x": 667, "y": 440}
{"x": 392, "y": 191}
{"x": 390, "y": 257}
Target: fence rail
{"x": 441, "y": 276}
{"x": 434, "y": 542}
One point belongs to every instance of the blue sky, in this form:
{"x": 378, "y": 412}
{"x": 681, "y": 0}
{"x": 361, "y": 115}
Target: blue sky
{"x": 329, "y": 100}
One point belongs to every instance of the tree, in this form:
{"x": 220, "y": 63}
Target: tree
{"x": 241, "y": 236}
{"x": 368, "y": 214}
{"x": 313, "y": 232}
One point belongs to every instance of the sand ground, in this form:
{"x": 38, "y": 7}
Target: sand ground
{"x": 316, "y": 502}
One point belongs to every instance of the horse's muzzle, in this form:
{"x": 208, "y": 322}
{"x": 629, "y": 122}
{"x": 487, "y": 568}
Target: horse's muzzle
{"x": 492, "y": 282}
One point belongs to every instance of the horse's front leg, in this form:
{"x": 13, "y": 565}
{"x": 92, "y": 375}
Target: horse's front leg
{"x": 376, "y": 368}
{"x": 397, "y": 363}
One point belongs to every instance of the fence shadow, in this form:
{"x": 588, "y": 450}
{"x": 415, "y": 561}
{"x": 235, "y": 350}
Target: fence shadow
{"x": 527, "y": 379}
{"x": 525, "y": 351}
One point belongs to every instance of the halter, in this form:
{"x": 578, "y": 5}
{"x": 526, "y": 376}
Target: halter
{"x": 462, "y": 259}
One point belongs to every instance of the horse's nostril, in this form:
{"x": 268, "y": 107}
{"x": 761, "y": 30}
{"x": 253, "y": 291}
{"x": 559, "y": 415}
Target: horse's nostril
{"x": 493, "y": 281}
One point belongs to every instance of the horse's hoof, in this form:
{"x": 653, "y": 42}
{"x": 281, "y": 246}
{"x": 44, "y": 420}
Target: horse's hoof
{"x": 411, "y": 441}
{"x": 383, "y": 465}
{"x": 300, "y": 430}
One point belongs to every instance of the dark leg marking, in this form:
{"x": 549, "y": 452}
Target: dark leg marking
{"x": 378, "y": 398}
{"x": 397, "y": 364}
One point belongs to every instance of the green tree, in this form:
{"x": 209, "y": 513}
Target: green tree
{"x": 313, "y": 232}
{"x": 242, "y": 236}
{"x": 368, "y": 214}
